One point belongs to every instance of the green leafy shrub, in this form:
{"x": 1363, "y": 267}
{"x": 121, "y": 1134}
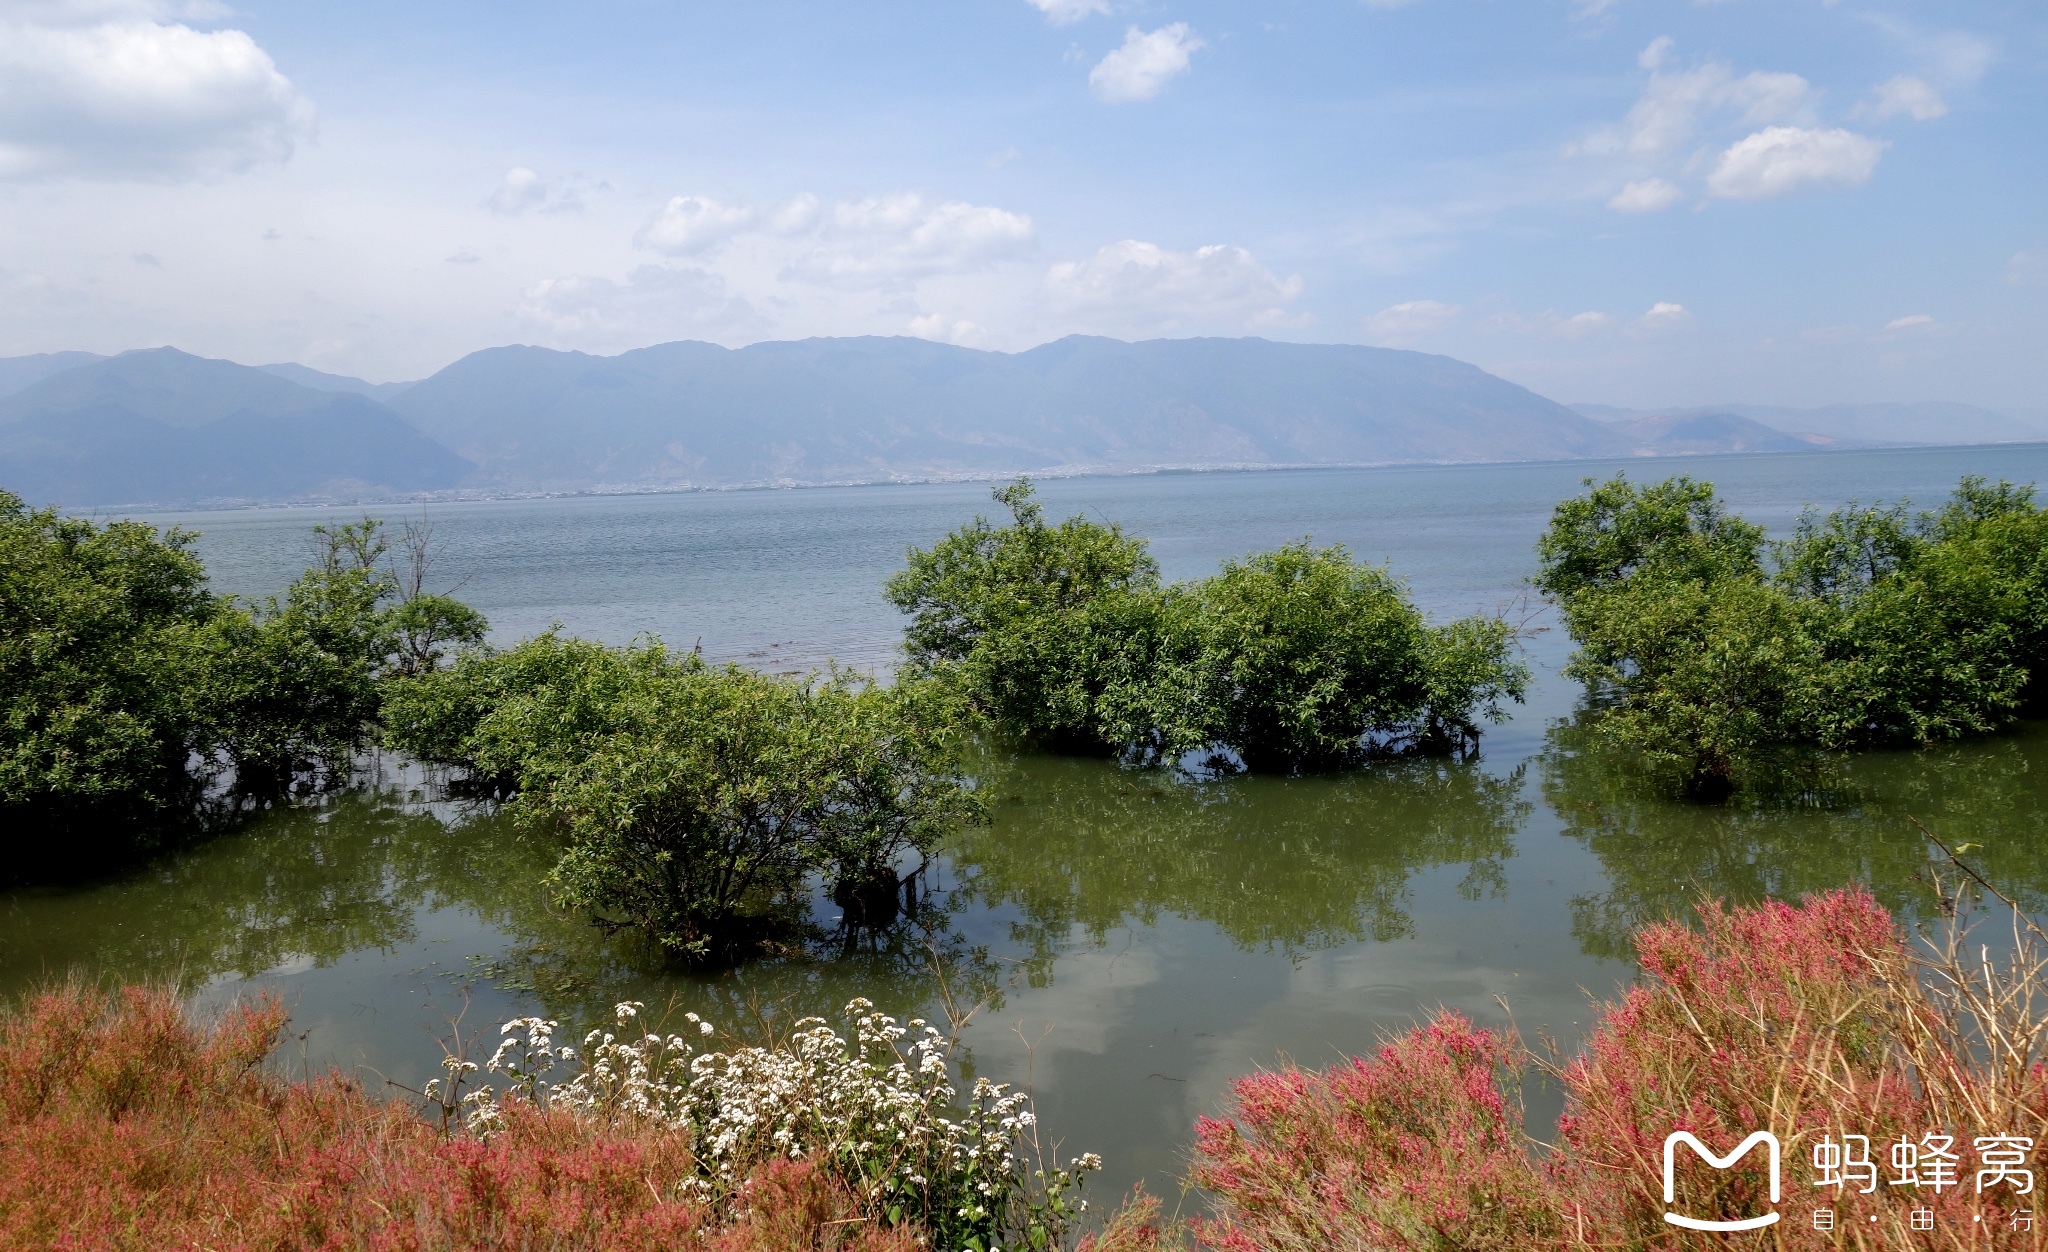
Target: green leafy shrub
{"x": 696, "y": 799}
{"x": 127, "y": 688}
{"x": 101, "y": 653}
{"x": 1869, "y": 626}
{"x": 1033, "y": 624}
{"x": 1296, "y": 659}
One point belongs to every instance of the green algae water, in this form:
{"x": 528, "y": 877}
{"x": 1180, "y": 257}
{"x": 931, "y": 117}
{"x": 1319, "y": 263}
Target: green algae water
{"x": 1127, "y": 942}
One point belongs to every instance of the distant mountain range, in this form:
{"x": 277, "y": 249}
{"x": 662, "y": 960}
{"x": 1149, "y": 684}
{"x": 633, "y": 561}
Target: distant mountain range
{"x": 1851, "y": 425}
{"x": 159, "y": 426}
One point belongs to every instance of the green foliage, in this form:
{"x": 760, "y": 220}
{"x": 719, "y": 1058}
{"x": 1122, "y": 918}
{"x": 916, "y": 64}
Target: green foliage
{"x": 1870, "y": 626}
{"x": 1676, "y": 529}
{"x": 1310, "y": 660}
{"x": 100, "y": 657}
{"x": 1032, "y": 623}
{"x": 1296, "y": 659}
{"x": 126, "y": 686}
{"x": 696, "y": 799}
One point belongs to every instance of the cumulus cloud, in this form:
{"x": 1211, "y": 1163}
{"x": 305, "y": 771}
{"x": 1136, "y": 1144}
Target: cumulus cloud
{"x": 892, "y": 239}
{"x": 523, "y": 190}
{"x": 1144, "y": 65}
{"x": 1664, "y": 315}
{"x": 1067, "y": 12}
{"x": 689, "y": 225}
{"x": 1652, "y": 56}
{"x": 1137, "y": 283}
{"x": 1398, "y": 325}
{"x": 1913, "y": 97}
{"x": 1664, "y": 118}
{"x": 654, "y": 302}
{"x": 1648, "y": 195}
{"x": 114, "y": 90}
{"x": 1782, "y": 159}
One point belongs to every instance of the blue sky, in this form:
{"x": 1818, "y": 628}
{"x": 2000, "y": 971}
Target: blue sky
{"x": 1641, "y": 202}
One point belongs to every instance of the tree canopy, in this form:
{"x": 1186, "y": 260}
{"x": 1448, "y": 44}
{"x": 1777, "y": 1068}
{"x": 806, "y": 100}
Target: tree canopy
{"x": 1302, "y": 658}
{"x": 1710, "y": 646}
{"x": 128, "y": 688}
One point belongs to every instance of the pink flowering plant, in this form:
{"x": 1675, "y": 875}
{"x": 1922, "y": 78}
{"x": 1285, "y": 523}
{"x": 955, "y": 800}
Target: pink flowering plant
{"x": 1906, "y": 1080}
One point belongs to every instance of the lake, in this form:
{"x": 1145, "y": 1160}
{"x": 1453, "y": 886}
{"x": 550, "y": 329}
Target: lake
{"x": 1134, "y": 940}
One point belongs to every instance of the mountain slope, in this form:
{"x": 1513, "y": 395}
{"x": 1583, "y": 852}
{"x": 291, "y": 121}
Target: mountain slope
{"x": 1698, "y": 434}
{"x": 1856, "y": 425}
{"x": 320, "y": 380}
{"x": 163, "y": 427}
{"x": 17, "y": 373}
{"x": 823, "y": 410}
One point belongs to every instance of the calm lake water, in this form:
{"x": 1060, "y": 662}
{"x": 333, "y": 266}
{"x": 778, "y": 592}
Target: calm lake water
{"x": 1137, "y": 940}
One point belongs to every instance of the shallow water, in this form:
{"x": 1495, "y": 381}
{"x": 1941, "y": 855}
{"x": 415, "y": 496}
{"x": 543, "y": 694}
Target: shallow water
{"x": 1135, "y": 941}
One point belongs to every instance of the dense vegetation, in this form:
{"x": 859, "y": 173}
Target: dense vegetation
{"x": 1808, "y": 1021}
{"x": 1063, "y": 637}
{"x": 127, "y": 687}
{"x": 129, "y": 1125}
{"x": 1708, "y": 646}
{"x": 697, "y": 799}
{"x": 121, "y": 1114}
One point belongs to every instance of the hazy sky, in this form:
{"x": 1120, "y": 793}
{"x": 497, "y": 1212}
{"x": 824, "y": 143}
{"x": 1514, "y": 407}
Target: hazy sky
{"x": 1629, "y": 201}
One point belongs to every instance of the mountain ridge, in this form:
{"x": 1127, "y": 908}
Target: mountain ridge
{"x": 162, "y": 427}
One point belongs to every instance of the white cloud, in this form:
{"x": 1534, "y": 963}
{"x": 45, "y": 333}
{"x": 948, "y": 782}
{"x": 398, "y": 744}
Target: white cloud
{"x": 1398, "y": 325}
{"x": 1067, "y": 12}
{"x": 104, "y": 90}
{"x": 1914, "y": 97}
{"x": 1648, "y": 195}
{"x": 655, "y": 302}
{"x": 1144, "y": 65}
{"x": 1909, "y": 322}
{"x": 2027, "y": 269}
{"x": 793, "y": 216}
{"x": 944, "y": 328}
{"x": 1961, "y": 59}
{"x": 1143, "y": 284}
{"x": 1652, "y": 56}
{"x": 1664, "y": 119}
{"x": 892, "y": 239}
{"x": 1782, "y": 159}
{"x": 689, "y": 225}
{"x": 1664, "y": 315}
{"x": 523, "y": 191}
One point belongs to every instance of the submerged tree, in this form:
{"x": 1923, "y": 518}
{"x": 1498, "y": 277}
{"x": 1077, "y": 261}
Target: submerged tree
{"x": 697, "y": 800}
{"x": 127, "y": 688}
{"x": 1034, "y": 625}
{"x": 1707, "y": 646}
{"x": 101, "y": 657}
{"x": 1296, "y": 659}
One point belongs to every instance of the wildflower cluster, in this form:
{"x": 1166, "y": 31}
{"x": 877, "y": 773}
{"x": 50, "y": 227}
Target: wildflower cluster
{"x": 879, "y": 1111}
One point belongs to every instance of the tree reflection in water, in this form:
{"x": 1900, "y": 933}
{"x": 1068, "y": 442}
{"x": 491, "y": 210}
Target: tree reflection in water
{"x": 1289, "y": 865}
{"x": 1820, "y": 821}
